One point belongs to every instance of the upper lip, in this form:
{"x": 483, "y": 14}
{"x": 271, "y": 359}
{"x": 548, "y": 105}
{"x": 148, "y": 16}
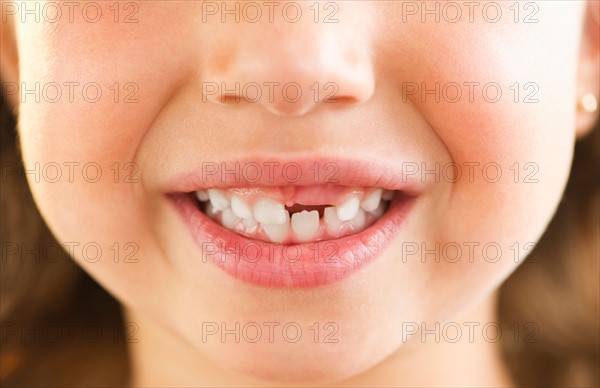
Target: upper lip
{"x": 260, "y": 171}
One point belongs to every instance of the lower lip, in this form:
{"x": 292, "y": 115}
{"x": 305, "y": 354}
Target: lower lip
{"x": 290, "y": 266}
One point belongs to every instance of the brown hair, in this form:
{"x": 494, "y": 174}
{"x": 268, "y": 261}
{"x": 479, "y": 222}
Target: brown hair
{"x": 553, "y": 300}
{"x": 556, "y": 291}
{"x": 59, "y": 327}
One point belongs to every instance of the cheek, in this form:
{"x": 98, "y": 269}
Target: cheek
{"x": 500, "y": 98}
{"x": 512, "y": 145}
{"x": 82, "y": 147}
{"x": 517, "y": 135}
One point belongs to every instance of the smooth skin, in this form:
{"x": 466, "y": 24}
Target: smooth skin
{"x": 371, "y": 54}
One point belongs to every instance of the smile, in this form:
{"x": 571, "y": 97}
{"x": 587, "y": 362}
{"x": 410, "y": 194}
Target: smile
{"x": 300, "y": 235}
{"x": 295, "y": 214}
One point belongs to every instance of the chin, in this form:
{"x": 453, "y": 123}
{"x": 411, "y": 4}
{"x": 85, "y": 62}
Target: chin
{"x": 312, "y": 368}
{"x": 304, "y": 363}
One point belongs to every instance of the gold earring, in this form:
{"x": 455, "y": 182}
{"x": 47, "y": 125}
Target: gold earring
{"x": 588, "y": 103}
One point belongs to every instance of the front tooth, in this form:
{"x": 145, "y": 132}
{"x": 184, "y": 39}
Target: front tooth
{"x": 202, "y": 195}
{"x": 278, "y": 232}
{"x": 333, "y": 224}
{"x": 348, "y": 209}
{"x": 387, "y": 195}
{"x": 240, "y": 207}
{"x": 268, "y": 211}
{"x": 305, "y": 224}
{"x": 372, "y": 201}
{"x": 218, "y": 199}
{"x": 359, "y": 221}
{"x": 229, "y": 219}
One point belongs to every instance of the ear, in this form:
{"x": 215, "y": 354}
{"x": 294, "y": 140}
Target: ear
{"x": 588, "y": 79}
{"x": 9, "y": 61}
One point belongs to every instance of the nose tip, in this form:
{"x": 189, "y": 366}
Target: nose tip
{"x": 287, "y": 108}
{"x": 291, "y": 88}
{"x": 297, "y": 99}
{"x": 293, "y": 98}
{"x": 292, "y": 69}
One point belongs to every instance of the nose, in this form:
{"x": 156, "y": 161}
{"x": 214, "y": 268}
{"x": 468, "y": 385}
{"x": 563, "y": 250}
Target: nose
{"x": 290, "y": 65}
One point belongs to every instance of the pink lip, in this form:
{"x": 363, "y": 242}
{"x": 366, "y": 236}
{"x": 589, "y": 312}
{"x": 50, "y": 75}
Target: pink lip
{"x": 298, "y": 265}
{"x": 258, "y": 172}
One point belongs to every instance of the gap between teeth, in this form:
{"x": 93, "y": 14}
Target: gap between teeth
{"x": 268, "y": 219}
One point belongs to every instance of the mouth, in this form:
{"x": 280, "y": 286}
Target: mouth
{"x": 293, "y": 215}
{"x": 300, "y": 234}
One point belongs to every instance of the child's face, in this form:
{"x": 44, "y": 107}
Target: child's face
{"x": 160, "y": 124}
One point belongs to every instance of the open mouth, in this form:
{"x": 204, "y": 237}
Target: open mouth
{"x": 289, "y": 215}
{"x": 306, "y": 234}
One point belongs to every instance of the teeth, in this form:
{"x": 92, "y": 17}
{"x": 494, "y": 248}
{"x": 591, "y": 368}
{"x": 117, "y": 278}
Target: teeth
{"x": 268, "y": 211}
{"x": 305, "y": 225}
{"x": 333, "y": 224}
{"x": 388, "y": 195}
{"x": 379, "y": 211}
{"x": 268, "y": 218}
{"x": 348, "y": 209}
{"x": 359, "y": 221}
{"x": 372, "y": 201}
{"x": 211, "y": 211}
{"x": 278, "y": 233}
{"x": 218, "y": 199}
{"x": 240, "y": 207}
{"x": 229, "y": 219}
{"x": 250, "y": 225}
{"x": 202, "y": 195}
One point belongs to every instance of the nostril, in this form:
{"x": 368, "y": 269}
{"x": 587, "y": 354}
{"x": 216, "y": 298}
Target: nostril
{"x": 341, "y": 100}
{"x": 230, "y": 98}
{"x": 294, "y": 92}
{"x": 234, "y": 98}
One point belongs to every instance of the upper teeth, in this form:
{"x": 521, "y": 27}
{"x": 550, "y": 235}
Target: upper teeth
{"x": 372, "y": 201}
{"x": 218, "y": 199}
{"x": 349, "y": 208}
{"x": 332, "y": 222}
{"x": 268, "y": 211}
{"x": 240, "y": 207}
{"x": 202, "y": 195}
{"x": 269, "y": 217}
{"x": 229, "y": 219}
{"x": 278, "y": 232}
